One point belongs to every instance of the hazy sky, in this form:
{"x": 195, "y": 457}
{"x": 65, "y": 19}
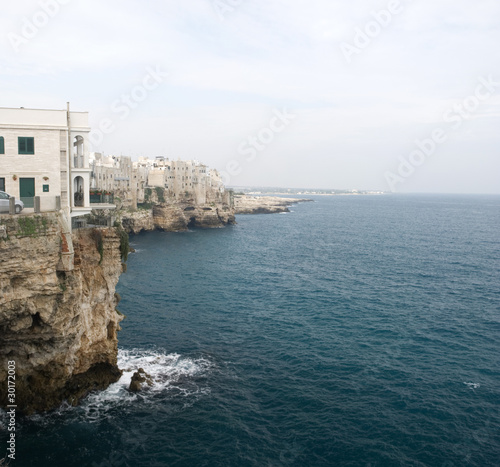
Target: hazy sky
{"x": 392, "y": 94}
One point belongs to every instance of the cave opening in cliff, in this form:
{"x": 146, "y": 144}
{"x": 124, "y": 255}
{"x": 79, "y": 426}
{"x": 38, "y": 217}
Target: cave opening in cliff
{"x": 192, "y": 222}
{"x": 36, "y": 321}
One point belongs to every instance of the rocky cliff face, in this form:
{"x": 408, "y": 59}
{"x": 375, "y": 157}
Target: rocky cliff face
{"x": 245, "y": 204}
{"x": 59, "y": 326}
{"x": 178, "y": 217}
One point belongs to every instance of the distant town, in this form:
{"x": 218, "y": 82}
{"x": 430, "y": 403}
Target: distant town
{"x": 299, "y": 191}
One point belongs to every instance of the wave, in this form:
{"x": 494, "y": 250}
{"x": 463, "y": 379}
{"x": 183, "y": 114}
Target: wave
{"x": 168, "y": 374}
{"x": 472, "y": 385}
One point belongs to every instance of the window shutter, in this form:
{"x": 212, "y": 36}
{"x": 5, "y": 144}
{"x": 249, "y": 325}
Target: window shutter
{"x": 30, "y": 143}
{"x": 26, "y": 145}
{"x": 22, "y": 145}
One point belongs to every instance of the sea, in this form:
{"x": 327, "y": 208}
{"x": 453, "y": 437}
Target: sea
{"x": 351, "y": 331}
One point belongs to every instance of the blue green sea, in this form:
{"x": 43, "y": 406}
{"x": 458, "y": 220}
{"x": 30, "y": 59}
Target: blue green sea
{"x": 352, "y": 331}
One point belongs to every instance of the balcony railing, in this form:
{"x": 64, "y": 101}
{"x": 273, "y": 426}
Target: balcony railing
{"x": 101, "y": 198}
{"x": 92, "y": 221}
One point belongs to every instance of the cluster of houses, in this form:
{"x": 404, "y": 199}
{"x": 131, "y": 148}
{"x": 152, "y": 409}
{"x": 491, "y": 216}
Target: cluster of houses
{"x": 181, "y": 180}
{"x": 45, "y": 160}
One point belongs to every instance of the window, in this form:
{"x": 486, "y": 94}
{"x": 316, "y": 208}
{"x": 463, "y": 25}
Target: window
{"x": 26, "y": 145}
{"x": 2, "y": 145}
{"x": 2, "y": 184}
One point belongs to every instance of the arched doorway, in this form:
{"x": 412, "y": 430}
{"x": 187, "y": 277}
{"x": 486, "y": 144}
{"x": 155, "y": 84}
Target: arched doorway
{"x": 79, "y": 192}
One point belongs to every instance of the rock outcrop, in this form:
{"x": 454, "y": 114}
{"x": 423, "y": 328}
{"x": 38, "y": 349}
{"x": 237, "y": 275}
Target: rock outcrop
{"x": 177, "y": 217}
{"x": 245, "y": 204}
{"x": 59, "y": 326}
{"x": 139, "y": 377}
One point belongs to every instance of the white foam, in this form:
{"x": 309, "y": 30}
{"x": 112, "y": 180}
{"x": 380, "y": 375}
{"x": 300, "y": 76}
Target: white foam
{"x": 167, "y": 372}
{"x": 472, "y": 385}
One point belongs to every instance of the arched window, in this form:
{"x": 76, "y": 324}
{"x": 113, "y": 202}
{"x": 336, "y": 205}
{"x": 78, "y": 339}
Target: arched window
{"x": 79, "y": 193}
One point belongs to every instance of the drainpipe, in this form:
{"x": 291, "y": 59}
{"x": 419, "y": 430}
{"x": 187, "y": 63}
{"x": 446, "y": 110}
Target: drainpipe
{"x": 70, "y": 185}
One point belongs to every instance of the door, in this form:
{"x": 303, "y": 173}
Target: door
{"x": 27, "y": 191}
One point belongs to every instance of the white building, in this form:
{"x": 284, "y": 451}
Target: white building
{"x": 183, "y": 179}
{"x": 45, "y": 153}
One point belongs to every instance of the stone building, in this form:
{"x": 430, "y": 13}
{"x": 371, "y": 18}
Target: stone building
{"x": 44, "y": 153}
{"x": 118, "y": 175}
{"x": 182, "y": 180}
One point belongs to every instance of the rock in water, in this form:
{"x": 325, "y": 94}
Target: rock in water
{"x": 139, "y": 377}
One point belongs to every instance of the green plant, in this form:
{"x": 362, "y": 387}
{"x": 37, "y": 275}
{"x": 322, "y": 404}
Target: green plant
{"x": 124, "y": 242}
{"x": 28, "y": 226}
{"x": 124, "y": 245}
{"x": 120, "y": 313}
{"x": 160, "y": 193}
{"x": 45, "y": 224}
{"x": 147, "y": 194}
{"x": 99, "y": 243}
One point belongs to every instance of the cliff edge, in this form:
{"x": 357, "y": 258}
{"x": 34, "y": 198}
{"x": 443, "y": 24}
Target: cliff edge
{"x": 58, "y": 318}
{"x": 177, "y": 215}
{"x": 246, "y": 204}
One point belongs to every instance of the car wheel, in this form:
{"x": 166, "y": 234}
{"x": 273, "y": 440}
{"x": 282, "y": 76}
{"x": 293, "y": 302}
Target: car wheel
{"x": 18, "y": 209}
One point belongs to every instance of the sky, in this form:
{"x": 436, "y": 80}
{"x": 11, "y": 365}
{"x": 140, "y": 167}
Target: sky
{"x": 391, "y": 95}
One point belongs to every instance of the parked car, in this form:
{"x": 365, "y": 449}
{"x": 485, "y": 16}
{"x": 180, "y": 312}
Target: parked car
{"x": 4, "y": 203}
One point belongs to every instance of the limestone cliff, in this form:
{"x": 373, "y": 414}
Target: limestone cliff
{"x": 58, "y": 323}
{"x": 245, "y": 204}
{"x": 177, "y": 217}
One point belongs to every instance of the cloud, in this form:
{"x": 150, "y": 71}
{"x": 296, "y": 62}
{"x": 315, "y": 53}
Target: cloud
{"x": 226, "y": 76}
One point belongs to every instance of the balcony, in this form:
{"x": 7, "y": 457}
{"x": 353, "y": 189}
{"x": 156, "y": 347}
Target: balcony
{"x": 101, "y": 197}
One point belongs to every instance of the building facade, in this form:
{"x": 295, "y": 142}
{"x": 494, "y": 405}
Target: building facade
{"x": 44, "y": 153}
{"x": 181, "y": 180}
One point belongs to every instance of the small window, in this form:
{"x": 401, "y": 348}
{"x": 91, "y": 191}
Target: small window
{"x": 2, "y": 184}
{"x": 45, "y": 188}
{"x": 2, "y": 145}
{"x": 26, "y": 145}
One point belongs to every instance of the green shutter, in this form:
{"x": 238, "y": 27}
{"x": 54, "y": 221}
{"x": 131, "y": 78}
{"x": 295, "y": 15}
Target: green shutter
{"x": 30, "y": 143}
{"x": 26, "y": 145}
{"x": 2, "y": 145}
{"x": 21, "y": 142}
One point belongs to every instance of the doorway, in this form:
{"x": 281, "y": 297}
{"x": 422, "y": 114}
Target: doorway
{"x": 27, "y": 191}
